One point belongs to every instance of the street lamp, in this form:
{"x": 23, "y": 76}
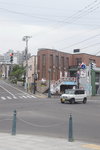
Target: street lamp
{"x": 26, "y": 38}
{"x": 49, "y": 90}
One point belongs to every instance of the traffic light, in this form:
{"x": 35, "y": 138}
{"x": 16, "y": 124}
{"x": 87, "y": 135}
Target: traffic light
{"x": 11, "y": 57}
{"x": 91, "y": 65}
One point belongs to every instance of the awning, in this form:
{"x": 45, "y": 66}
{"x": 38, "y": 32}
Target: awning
{"x": 69, "y": 83}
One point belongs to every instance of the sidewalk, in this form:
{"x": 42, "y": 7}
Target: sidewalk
{"x": 31, "y": 142}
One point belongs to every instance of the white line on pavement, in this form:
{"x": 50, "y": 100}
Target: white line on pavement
{"x": 18, "y": 90}
{"x": 15, "y": 88}
{"x": 24, "y": 96}
{"x": 3, "y": 98}
{"x": 9, "y": 97}
{"x": 7, "y": 91}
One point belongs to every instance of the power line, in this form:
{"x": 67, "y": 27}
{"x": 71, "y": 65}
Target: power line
{"x": 95, "y": 44}
{"x": 97, "y": 52}
{"x": 75, "y": 16}
{"x": 82, "y": 41}
{"x": 86, "y": 10}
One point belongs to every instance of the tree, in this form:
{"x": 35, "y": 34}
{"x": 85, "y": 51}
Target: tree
{"x": 17, "y": 73}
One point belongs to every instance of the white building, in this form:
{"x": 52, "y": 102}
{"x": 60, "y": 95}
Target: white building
{"x": 32, "y": 68}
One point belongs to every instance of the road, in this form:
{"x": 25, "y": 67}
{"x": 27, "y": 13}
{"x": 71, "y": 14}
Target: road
{"x": 47, "y": 116}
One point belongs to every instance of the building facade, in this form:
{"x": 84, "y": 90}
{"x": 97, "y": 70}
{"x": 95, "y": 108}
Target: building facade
{"x": 32, "y": 68}
{"x": 55, "y": 61}
{"x": 61, "y": 65}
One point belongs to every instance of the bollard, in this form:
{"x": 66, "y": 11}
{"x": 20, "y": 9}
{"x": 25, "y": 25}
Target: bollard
{"x": 14, "y": 123}
{"x": 70, "y": 135}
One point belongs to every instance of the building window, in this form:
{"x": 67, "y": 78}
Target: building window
{"x": 43, "y": 66}
{"x": 62, "y": 66}
{"x": 43, "y": 60}
{"x": 51, "y": 66}
{"x": 51, "y": 61}
{"x": 57, "y": 68}
{"x": 97, "y": 78}
{"x": 92, "y": 61}
{"x": 67, "y": 63}
{"x": 78, "y": 61}
{"x": 38, "y": 62}
{"x": 57, "y": 61}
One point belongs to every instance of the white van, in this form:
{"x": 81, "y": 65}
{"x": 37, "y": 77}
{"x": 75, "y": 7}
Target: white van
{"x": 73, "y": 96}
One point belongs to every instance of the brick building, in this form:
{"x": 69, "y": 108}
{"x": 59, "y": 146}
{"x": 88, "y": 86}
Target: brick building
{"x": 61, "y": 63}
{"x": 57, "y": 61}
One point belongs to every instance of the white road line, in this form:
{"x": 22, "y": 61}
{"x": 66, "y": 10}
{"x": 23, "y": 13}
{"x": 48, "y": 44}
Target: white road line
{"x": 7, "y": 91}
{"x": 29, "y": 96}
{"x": 3, "y": 98}
{"x": 9, "y": 97}
{"x": 15, "y": 97}
{"x": 18, "y": 90}
{"x": 15, "y": 88}
{"x": 33, "y": 96}
{"x": 24, "y": 96}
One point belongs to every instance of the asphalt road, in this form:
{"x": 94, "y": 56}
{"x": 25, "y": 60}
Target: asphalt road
{"x": 47, "y": 116}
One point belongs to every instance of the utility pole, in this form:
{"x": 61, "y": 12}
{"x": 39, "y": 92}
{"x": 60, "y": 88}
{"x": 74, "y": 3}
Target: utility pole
{"x": 26, "y": 38}
{"x": 34, "y": 76}
{"x": 11, "y": 61}
{"x": 49, "y": 90}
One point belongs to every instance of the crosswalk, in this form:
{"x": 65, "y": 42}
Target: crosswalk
{"x": 17, "y": 97}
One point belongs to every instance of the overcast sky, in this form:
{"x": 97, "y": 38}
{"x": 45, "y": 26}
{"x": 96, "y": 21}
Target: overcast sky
{"x": 56, "y": 24}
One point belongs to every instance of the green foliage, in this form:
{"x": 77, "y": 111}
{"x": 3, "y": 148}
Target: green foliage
{"x": 17, "y": 73}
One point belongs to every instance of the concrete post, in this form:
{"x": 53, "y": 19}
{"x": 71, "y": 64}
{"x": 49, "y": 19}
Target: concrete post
{"x": 70, "y": 134}
{"x": 14, "y": 123}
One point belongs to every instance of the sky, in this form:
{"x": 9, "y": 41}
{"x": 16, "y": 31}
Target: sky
{"x": 63, "y": 25}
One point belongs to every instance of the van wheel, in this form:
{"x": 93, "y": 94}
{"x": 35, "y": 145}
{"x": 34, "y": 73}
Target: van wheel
{"x": 72, "y": 101}
{"x": 84, "y": 100}
{"x": 62, "y": 101}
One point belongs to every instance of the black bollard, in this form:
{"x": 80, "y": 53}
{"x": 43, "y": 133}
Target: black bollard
{"x": 14, "y": 123}
{"x": 70, "y": 135}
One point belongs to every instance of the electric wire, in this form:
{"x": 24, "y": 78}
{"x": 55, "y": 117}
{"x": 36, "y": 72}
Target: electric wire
{"x": 81, "y": 41}
{"x": 71, "y": 19}
{"x": 75, "y": 16}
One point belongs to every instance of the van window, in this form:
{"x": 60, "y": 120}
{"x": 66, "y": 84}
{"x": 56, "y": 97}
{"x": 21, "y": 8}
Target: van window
{"x": 77, "y": 92}
{"x": 81, "y": 91}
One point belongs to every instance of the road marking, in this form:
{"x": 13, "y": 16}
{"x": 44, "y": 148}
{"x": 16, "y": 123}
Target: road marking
{"x": 7, "y": 91}
{"x": 33, "y": 96}
{"x": 24, "y": 96}
{"x": 92, "y": 146}
{"x": 16, "y": 88}
{"x": 29, "y": 96}
{"x": 3, "y": 98}
{"x": 9, "y": 97}
{"x": 21, "y": 97}
{"x": 15, "y": 97}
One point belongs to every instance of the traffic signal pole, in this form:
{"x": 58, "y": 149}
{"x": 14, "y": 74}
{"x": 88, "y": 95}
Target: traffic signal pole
{"x": 26, "y": 53}
{"x": 11, "y": 60}
{"x": 26, "y": 38}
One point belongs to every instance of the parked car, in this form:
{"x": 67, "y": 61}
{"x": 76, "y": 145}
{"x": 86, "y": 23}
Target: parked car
{"x": 74, "y": 95}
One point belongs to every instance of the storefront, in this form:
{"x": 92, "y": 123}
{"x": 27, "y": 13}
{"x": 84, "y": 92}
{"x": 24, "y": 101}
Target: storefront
{"x": 67, "y": 85}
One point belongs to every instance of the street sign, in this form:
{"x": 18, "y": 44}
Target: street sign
{"x": 83, "y": 66}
